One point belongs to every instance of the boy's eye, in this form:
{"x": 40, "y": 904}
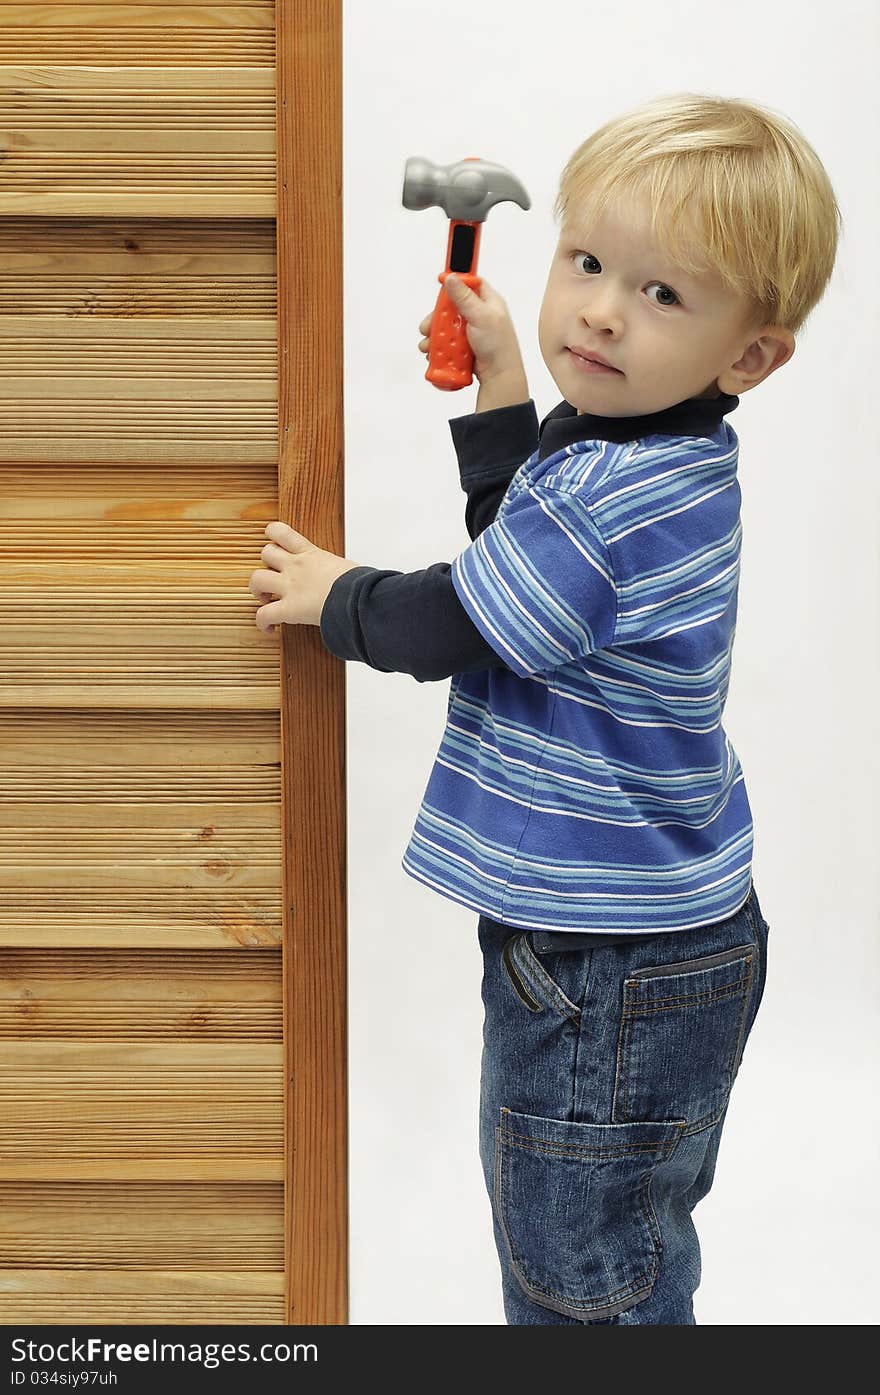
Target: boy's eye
{"x": 666, "y": 290}
{"x": 586, "y": 256}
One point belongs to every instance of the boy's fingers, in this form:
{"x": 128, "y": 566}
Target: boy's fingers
{"x": 288, "y": 537}
{"x": 258, "y": 582}
{"x": 464, "y": 297}
{"x": 266, "y": 618}
{"x": 456, "y": 289}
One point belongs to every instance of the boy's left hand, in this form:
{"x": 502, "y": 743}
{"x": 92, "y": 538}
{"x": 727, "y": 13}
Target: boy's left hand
{"x": 296, "y": 581}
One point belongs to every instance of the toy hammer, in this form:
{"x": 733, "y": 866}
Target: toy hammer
{"x": 465, "y": 191}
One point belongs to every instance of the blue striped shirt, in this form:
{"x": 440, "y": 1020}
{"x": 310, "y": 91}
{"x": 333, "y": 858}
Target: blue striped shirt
{"x": 589, "y": 784}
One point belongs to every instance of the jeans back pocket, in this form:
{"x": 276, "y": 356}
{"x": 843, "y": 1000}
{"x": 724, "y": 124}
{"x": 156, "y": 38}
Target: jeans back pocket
{"x": 682, "y": 1033}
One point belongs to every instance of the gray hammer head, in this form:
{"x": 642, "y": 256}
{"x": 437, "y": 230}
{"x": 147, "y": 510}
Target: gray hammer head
{"x": 465, "y": 191}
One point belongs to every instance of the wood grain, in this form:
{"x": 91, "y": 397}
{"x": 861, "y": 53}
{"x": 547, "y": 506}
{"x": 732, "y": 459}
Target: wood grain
{"x": 139, "y": 391}
{"x": 310, "y": 482}
{"x": 89, "y": 1110}
{"x": 100, "y": 34}
{"x": 137, "y": 268}
{"x": 111, "y": 1296}
{"x": 181, "y": 995}
{"x": 170, "y": 1225}
{"x": 140, "y": 829}
{"x": 158, "y": 141}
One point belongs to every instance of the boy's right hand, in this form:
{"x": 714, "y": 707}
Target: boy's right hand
{"x": 489, "y": 330}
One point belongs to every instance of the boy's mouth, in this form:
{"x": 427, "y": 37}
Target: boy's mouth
{"x": 591, "y": 365}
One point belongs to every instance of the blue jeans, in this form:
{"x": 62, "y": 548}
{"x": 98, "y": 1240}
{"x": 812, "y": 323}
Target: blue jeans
{"x": 606, "y": 1075}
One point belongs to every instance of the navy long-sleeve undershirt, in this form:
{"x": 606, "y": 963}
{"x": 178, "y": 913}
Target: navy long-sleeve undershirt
{"x": 413, "y": 622}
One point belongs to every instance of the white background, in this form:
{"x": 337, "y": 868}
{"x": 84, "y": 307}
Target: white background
{"x": 789, "y": 1229}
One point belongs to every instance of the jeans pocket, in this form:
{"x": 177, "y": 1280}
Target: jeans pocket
{"x": 573, "y": 1204}
{"x": 531, "y": 981}
{"x": 682, "y": 1034}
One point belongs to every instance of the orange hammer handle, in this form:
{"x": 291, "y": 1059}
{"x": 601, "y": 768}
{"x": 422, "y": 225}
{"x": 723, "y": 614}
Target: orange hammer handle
{"x": 450, "y": 356}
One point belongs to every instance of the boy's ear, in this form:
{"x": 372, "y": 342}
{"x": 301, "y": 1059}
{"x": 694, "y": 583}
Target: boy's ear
{"x": 773, "y": 347}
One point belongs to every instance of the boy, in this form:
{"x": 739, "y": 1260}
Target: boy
{"x": 585, "y": 800}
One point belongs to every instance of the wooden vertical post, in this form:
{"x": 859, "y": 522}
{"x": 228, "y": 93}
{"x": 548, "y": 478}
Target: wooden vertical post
{"x": 310, "y": 493}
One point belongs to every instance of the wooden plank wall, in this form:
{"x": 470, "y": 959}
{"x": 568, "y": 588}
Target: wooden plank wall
{"x": 146, "y": 1155}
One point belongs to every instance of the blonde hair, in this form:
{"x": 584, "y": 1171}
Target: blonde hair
{"x": 733, "y": 188}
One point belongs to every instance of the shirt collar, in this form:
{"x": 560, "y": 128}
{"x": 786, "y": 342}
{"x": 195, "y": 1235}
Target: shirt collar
{"x": 695, "y": 416}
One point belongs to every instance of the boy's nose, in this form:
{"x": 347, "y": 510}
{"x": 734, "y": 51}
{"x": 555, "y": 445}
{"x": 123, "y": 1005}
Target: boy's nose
{"x": 601, "y": 310}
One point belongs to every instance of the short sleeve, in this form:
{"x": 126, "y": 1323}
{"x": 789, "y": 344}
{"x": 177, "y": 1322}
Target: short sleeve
{"x": 538, "y": 582}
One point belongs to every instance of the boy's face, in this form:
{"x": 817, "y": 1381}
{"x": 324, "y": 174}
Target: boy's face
{"x": 672, "y": 336}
